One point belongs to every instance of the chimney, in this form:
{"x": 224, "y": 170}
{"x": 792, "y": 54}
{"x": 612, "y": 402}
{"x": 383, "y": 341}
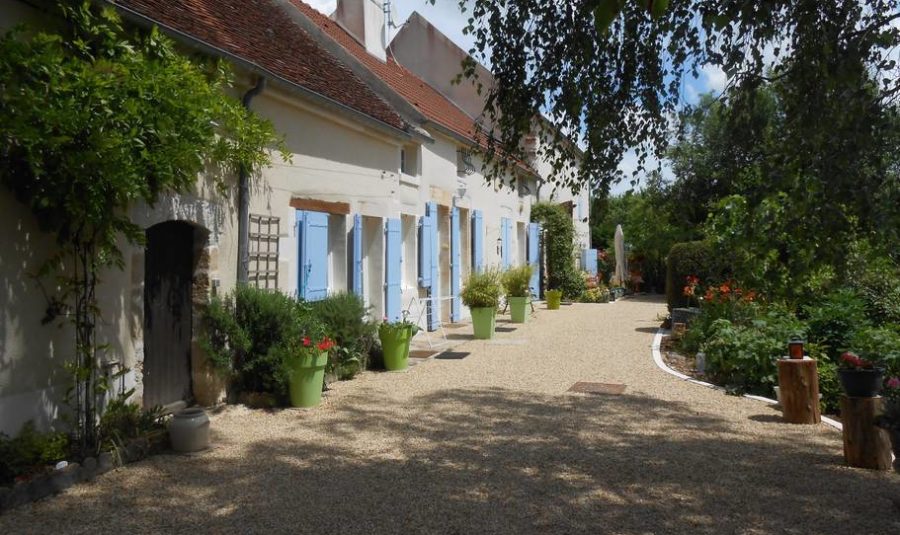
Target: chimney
{"x": 365, "y": 21}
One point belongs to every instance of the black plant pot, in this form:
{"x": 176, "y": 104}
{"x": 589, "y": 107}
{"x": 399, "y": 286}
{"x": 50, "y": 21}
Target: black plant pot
{"x": 861, "y": 383}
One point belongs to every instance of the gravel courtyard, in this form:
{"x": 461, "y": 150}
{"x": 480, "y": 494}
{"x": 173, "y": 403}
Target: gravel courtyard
{"x": 494, "y": 443}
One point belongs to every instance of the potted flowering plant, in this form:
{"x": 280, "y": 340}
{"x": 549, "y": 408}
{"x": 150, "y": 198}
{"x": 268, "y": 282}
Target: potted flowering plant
{"x": 860, "y": 377}
{"x": 481, "y": 293}
{"x": 395, "y": 337}
{"x": 305, "y": 365}
{"x": 890, "y": 418}
{"x": 517, "y": 284}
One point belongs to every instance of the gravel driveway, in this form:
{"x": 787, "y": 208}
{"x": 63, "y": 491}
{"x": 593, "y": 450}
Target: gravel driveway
{"x": 494, "y": 443}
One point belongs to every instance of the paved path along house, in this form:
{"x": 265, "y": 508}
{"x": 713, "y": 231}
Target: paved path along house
{"x": 494, "y": 443}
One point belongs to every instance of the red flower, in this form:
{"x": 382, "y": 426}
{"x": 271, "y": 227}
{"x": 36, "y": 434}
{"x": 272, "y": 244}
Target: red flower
{"x": 325, "y": 344}
{"x": 688, "y": 291}
{"x": 306, "y": 341}
{"x": 725, "y": 289}
{"x": 855, "y": 361}
{"x": 710, "y": 296}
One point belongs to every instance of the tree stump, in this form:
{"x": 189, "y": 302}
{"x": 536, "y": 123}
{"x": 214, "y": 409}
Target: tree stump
{"x": 865, "y": 445}
{"x": 799, "y": 384}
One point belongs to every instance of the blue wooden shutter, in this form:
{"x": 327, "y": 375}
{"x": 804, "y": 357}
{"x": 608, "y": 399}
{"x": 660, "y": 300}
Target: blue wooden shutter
{"x": 589, "y": 260}
{"x": 392, "y": 269}
{"x": 455, "y": 266}
{"x": 506, "y": 254}
{"x": 434, "y": 322}
{"x": 357, "y": 258}
{"x": 426, "y": 228}
{"x": 477, "y": 240}
{"x": 534, "y": 257}
{"x": 313, "y": 244}
{"x": 301, "y": 255}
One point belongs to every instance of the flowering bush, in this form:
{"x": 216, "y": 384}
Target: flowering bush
{"x": 851, "y": 361}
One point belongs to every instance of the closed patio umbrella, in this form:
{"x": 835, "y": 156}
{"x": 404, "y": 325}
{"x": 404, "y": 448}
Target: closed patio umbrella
{"x": 620, "y": 254}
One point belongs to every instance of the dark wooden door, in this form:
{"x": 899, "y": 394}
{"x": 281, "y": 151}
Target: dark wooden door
{"x": 167, "y": 313}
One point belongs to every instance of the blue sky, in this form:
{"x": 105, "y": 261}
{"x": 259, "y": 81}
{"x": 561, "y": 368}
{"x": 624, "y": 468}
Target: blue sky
{"x": 446, "y": 16}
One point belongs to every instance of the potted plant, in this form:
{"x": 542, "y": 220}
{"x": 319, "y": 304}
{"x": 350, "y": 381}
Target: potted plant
{"x": 481, "y": 293}
{"x": 305, "y": 365}
{"x": 554, "y": 298}
{"x": 890, "y": 418}
{"x": 395, "y": 337}
{"x": 860, "y": 378}
{"x": 517, "y": 285}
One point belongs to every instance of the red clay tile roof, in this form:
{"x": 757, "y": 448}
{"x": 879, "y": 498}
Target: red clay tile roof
{"x": 432, "y": 104}
{"x": 258, "y": 31}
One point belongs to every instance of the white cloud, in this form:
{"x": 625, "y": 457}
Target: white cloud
{"x": 714, "y": 78}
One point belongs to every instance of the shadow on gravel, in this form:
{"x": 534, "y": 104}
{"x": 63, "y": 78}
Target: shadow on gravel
{"x": 502, "y": 461}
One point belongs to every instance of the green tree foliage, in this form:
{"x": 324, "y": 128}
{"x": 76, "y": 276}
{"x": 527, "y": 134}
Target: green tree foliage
{"x": 650, "y": 222}
{"x": 95, "y": 117}
{"x": 559, "y": 248}
{"x": 618, "y": 74}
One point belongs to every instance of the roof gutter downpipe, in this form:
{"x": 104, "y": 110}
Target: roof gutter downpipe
{"x": 243, "y": 267}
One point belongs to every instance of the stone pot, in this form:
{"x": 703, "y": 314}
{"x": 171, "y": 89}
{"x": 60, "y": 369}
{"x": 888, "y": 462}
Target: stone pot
{"x": 189, "y": 430}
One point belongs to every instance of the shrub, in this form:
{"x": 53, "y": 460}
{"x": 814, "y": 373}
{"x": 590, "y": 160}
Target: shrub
{"x": 249, "y": 330}
{"x": 482, "y": 289}
{"x": 743, "y": 357}
{"x": 517, "y": 281}
{"x": 30, "y": 450}
{"x": 834, "y": 320}
{"x": 829, "y": 384}
{"x": 880, "y": 345}
{"x": 345, "y": 318}
{"x": 695, "y": 258}
{"x": 879, "y": 287}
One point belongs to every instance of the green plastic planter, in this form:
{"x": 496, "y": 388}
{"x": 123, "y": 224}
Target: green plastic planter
{"x": 395, "y": 345}
{"x": 483, "y": 322}
{"x": 517, "y": 309}
{"x": 554, "y": 298}
{"x": 306, "y": 380}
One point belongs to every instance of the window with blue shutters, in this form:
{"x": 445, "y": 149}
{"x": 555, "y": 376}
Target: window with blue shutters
{"x": 426, "y": 231}
{"x": 534, "y": 257}
{"x": 589, "y": 260}
{"x": 393, "y": 269}
{"x": 312, "y": 236}
{"x": 455, "y": 266}
{"x": 477, "y": 240}
{"x": 356, "y": 252}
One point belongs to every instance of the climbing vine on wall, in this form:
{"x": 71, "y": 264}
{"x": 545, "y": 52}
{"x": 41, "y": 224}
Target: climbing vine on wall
{"x": 559, "y": 248}
{"x": 95, "y": 117}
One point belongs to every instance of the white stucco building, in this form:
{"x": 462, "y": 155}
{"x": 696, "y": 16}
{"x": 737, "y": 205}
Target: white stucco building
{"x": 382, "y": 196}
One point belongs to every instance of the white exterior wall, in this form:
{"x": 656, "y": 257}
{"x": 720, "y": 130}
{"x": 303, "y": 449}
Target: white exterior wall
{"x": 334, "y": 160}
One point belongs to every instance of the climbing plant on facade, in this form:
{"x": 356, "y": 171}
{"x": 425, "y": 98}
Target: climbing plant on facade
{"x": 94, "y": 118}
{"x": 559, "y": 248}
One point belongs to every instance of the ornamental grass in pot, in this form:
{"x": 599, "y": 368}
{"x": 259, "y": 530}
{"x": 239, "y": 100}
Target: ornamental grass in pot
{"x": 481, "y": 293}
{"x": 554, "y": 299}
{"x": 517, "y": 286}
{"x": 395, "y": 337}
{"x": 861, "y": 378}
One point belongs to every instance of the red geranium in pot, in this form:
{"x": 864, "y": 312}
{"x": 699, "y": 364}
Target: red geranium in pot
{"x": 860, "y": 378}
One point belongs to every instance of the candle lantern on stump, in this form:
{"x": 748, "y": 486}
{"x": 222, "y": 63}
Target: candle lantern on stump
{"x": 795, "y": 348}
{"x": 798, "y": 382}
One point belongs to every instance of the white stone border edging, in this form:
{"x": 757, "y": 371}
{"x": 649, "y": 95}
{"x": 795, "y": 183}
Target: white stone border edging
{"x": 657, "y": 358}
